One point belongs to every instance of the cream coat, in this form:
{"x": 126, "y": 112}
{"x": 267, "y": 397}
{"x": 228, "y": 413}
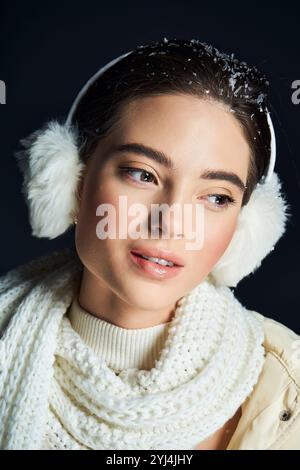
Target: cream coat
{"x": 271, "y": 414}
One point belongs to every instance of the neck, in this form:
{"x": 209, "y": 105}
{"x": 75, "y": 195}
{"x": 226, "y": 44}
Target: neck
{"x": 120, "y": 348}
{"x": 99, "y": 300}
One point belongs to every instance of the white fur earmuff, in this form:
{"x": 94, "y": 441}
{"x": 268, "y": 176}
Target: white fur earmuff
{"x": 52, "y": 169}
{"x": 261, "y": 222}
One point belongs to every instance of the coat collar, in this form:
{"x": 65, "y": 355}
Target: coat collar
{"x": 262, "y": 425}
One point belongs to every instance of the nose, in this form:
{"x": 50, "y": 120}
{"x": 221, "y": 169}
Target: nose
{"x": 167, "y": 217}
{"x": 166, "y": 221}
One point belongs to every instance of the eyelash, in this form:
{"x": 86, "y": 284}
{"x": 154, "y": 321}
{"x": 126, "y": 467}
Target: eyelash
{"x": 127, "y": 170}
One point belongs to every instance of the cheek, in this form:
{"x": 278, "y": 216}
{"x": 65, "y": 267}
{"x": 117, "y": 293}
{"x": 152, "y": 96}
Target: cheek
{"x": 222, "y": 234}
{"x": 218, "y": 232}
{"x": 90, "y": 247}
{"x": 110, "y": 190}
{"x": 97, "y": 191}
{"x": 107, "y": 191}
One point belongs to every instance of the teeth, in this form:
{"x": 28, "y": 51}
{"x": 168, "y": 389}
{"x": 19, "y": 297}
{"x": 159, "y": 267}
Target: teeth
{"x": 161, "y": 261}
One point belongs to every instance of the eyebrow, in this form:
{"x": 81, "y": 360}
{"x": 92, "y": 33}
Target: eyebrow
{"x": 166, "y": 161}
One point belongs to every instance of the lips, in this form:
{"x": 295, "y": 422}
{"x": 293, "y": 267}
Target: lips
{"x": 159, "y": 253}
{"x": 151, "y": 269}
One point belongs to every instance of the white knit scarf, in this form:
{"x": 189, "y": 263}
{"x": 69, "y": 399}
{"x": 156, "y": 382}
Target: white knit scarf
{"x": 55, "y": 389}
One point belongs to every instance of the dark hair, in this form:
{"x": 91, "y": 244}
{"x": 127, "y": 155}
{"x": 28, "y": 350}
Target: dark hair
{"x": 179, "y": 66}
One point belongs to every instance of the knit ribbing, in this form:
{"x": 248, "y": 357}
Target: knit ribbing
{"x": 120, "y": 348}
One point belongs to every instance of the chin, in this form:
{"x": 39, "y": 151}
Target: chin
{"x": 147, "y": 297}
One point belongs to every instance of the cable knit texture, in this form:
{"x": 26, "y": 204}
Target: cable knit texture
{"x": 119, "y": 347}
{"x": 57, "y": 392}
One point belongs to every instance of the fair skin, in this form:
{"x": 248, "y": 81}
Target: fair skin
{"x": 196, "y": 135}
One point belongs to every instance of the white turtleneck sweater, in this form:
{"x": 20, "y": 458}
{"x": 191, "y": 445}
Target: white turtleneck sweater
{"x": 121, "y": 348}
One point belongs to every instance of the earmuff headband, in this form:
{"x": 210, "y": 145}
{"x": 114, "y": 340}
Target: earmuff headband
{"x": 117, "y": 59}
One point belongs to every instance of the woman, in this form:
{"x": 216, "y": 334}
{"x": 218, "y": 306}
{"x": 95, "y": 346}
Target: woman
{"x": 133, "y": 339}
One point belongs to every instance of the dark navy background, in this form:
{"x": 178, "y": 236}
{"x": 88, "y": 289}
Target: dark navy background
{"x": 48, "y": 50}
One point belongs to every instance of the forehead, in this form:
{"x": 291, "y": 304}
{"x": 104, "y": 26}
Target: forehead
{"x": 192, "y": 131}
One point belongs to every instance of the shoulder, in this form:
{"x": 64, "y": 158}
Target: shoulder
{"x": 271, "y": 413}
{"x": 283, "y": 344}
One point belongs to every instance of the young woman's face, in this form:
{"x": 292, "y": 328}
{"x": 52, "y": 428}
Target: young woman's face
{"x": 197, "y": 136}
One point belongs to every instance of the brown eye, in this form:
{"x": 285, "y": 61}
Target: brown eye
{"x": 222, "y": 200}
{"x": 139, "y": 175}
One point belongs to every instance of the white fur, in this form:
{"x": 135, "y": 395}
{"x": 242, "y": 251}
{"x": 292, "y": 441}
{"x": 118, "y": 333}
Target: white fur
{"x": 51, "y": 180}
{"x": 261, "y": 223}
